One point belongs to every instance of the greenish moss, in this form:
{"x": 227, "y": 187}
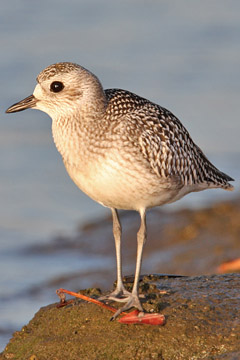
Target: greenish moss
{"x": 200, "y": 324}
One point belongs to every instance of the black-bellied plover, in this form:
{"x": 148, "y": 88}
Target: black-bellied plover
{"x": 122, "y": 150}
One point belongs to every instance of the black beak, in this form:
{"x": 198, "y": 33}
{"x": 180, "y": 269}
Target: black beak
{"x": 27, "y": 103}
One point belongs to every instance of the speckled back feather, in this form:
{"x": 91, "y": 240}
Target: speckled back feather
{"x": 164, "y": 141}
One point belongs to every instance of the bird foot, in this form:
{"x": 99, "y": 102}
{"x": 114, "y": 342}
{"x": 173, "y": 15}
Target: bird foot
{"x": 117, "y": 295}
{"x": 132, "y": 301}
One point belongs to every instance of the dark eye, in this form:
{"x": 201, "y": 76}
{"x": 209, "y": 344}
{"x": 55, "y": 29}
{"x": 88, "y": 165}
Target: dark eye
{"x": 56, "y": 86}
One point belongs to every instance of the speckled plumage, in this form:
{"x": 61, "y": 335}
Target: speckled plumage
{"x": 163, "y": 140}
{"x": 122, "y": 150}
{"x": 56, "y": 69}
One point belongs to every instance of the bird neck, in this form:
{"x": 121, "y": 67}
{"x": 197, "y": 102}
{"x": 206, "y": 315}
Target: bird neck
{"x": 77, "y": 133}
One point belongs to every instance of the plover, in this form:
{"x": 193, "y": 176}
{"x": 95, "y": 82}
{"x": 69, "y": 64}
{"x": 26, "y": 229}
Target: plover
{"x": 122, "y": 150}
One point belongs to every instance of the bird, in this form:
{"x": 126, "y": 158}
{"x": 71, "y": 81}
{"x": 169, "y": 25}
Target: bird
{"x": 122, "y": 150}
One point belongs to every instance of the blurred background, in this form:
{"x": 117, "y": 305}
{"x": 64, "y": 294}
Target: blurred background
{"x": 182, "y": 55}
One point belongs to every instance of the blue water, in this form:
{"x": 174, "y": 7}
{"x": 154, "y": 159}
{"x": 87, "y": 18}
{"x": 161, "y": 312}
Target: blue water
{"x": 183, "y": 55}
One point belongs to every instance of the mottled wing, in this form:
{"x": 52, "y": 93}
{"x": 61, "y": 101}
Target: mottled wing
{"x": 163, "y": 141}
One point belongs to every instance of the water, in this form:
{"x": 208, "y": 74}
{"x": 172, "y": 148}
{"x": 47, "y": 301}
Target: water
{"x": 183, "y": 55}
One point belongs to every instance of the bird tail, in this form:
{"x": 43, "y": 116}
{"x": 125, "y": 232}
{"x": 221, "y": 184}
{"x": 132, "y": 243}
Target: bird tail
{"x": 218, "y": 179}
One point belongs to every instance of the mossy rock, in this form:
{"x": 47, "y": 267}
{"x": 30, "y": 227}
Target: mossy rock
{"x": 202, "y": 322}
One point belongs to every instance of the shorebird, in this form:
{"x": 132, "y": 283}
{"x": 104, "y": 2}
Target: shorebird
{"x": 122, "y": 150}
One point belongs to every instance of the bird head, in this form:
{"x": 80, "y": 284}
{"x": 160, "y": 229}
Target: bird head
{"x": 62, "y": 89}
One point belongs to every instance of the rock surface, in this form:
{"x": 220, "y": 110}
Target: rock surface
{"x": 202, "y": 322}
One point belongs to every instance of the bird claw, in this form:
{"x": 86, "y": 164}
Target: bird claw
{"x": 132, "y": 301}
{"x": 117, "y": 295}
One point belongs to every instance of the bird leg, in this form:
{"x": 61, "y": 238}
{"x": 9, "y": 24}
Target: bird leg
{"x": 120, "y": 293}
{"x": 133, "y": 299}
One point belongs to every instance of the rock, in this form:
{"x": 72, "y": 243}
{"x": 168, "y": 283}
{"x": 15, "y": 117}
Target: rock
{"x": 202, "y": 322}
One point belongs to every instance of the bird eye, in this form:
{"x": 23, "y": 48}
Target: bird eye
{"x": 56, "y": 86}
